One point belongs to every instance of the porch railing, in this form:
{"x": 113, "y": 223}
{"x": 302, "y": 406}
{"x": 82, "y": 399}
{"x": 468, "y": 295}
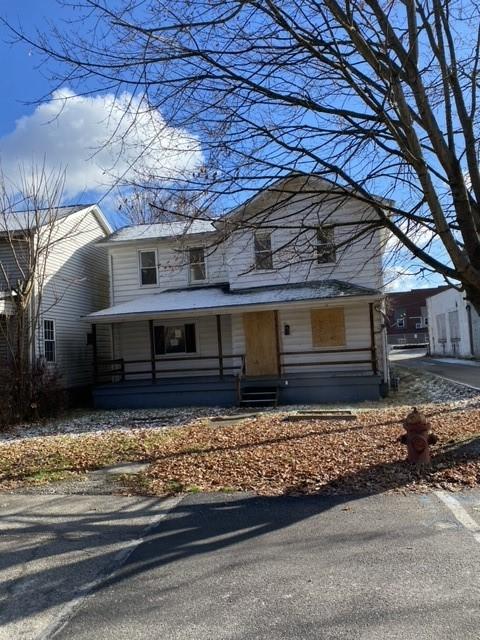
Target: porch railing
{"x": 371, "y": 360}
{"x": 120, "y": 370}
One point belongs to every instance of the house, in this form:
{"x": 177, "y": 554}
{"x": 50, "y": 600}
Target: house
{"x": 277, "y": 301}
{"x": 407, "y": 316}
{"x": 454, "y": 325}
{"x": 57, "y": 251}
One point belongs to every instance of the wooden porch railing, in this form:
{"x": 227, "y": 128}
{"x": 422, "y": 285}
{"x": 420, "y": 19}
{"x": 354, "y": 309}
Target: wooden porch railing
{"x": 371, "y": 360}
{"x": 120, "y": 370}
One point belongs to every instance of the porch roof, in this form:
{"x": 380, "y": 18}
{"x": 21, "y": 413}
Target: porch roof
{"x": 221, "y": 297}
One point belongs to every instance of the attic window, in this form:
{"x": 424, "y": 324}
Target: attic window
{"x": 198, "y": 271}
{"x": 148, "y": 267}
{"x": 263, "y": 250}
{"x": 326, "y": 245}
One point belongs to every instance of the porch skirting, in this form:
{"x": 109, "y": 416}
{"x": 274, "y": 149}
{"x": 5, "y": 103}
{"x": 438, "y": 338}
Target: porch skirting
{"x": 211, "y": 391}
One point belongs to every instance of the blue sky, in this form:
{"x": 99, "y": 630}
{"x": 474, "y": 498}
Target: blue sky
{"x": 28, "y": 122}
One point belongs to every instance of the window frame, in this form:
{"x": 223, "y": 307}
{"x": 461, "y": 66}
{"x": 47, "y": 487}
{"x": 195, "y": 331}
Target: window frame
{"x": 140, "y": 268}
{"x": 52, "y": 341}
{"x": 173, "y": 324}
{"x": 256, "y": 252}
{"x": 190, "y": 264}
{"x": 330, "y": 244}
{"x": 397, "y": 322}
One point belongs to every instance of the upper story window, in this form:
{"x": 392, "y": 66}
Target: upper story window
{"x": 49, "y": 340}
{"x": 326, "y": 245}
{"x": 198, "y": 267}
{"x": 148, "y": 267}
{"x": 263, "y": 250}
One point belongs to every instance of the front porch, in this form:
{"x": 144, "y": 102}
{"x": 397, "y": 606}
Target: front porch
{"x": 296, "y": 352}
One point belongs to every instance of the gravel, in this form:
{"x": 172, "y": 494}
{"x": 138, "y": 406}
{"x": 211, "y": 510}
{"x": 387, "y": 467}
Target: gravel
{"x": 416, "y": 388}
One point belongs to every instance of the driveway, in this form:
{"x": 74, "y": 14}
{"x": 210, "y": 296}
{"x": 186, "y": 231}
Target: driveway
{"x": 450, "y": 368}
{"x": 240, "y": 567}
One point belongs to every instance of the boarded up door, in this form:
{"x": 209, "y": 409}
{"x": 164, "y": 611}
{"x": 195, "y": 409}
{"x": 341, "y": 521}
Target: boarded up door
{"x": 261, "y": 347}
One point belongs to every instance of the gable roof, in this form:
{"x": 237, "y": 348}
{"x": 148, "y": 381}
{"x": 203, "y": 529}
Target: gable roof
{"x": 20, "y": 221}
{"x": 218, "y": 297}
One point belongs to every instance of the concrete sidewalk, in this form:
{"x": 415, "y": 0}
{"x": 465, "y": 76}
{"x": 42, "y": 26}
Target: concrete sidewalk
{"x": 238, "y": 567}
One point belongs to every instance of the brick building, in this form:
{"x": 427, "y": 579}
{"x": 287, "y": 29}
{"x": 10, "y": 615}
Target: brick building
{"x": 407, "y": 319}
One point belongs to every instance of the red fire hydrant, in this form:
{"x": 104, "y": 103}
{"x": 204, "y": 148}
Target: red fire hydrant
{"x": 418, "y": 437}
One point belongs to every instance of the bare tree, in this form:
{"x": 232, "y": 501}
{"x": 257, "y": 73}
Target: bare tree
{"x": 378, "y": 96}
{"x": 30, "y": 230}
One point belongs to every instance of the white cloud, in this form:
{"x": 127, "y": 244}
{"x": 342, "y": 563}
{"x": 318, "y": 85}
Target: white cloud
{"x": 98, "y": 141}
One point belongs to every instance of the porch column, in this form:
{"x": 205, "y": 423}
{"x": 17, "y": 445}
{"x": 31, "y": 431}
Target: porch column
{"x": 372, "y": 340}
{"x": 220, "y": 344}
{"x": 152, "y": 349}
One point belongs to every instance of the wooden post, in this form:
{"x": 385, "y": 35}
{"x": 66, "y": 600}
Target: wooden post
{"x": 95, "y": 361}
{"x": 277, "y": 342}
{"x": 220, "y": 344}
{"x": 152, "y": 349}
{"x": 372, "y": 341}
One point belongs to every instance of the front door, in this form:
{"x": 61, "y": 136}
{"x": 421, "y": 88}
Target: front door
{"x": 261, "y": 343}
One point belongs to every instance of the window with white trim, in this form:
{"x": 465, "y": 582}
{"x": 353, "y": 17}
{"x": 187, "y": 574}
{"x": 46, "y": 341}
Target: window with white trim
{"x": 263, "y": 250}
{"x": 148, "y": 267}
{"x": 198, "y": 267}
{"x": 326, "y": 245}
{"x": 49, "y": 340}
{"x": 170, "y": 339}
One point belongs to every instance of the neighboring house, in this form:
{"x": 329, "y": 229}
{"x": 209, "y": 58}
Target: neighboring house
{"x": 407, "y": 318}
{"x": 246, "y": 308}
{"x": 70, "y": 276}
{"x": 454, "y": 325}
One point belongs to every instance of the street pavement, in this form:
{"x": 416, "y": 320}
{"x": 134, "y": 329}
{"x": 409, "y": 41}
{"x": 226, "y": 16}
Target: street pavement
{"x": 240, "y": 567}
{"x": 454, "y": 370}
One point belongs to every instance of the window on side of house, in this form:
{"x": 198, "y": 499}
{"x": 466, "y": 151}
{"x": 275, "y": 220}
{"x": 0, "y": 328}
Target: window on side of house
{"x": 197, "y": 263}
{"x": 148, "y": 267}
{"x": 49, "y": 339}
{"x": 263, "y": 250}
{"x": 171, "y": 339}
{"x": 326, "y": 253}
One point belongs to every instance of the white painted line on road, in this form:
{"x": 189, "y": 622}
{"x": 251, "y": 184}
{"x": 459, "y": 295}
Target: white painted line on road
{"x": 68, "y": 611}
{"x": 460, "y": 513}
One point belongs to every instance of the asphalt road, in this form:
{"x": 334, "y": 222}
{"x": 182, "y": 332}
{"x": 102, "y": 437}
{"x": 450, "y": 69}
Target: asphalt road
{"x": 236, "y": 567}
{"x": 464, "y": 373}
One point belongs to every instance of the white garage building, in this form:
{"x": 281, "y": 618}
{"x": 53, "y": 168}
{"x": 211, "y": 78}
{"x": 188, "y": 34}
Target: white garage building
{"x": 454, "y": 325}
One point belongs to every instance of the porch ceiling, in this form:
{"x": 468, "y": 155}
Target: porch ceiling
{"x": 220, "y": 298}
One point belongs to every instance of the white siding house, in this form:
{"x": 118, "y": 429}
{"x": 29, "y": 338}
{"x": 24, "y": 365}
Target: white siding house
{"x": 74, "y": 281}
{"x": 280, "y": 299}
{"x": 453, "y": 325}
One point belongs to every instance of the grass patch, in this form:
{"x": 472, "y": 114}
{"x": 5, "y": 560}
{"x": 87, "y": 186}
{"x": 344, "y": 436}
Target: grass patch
{"x": 265, "y": 455}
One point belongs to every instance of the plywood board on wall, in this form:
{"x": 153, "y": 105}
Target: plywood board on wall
{"x": 260, "y": 343}
{"x": 328, "y": 327}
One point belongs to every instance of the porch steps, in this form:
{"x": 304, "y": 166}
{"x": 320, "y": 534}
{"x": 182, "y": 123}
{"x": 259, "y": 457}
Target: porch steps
{"x": 261, "y": 396}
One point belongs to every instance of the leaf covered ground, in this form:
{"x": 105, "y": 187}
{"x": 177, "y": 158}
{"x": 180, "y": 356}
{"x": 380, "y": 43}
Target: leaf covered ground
{"x": 267, "y": 454}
